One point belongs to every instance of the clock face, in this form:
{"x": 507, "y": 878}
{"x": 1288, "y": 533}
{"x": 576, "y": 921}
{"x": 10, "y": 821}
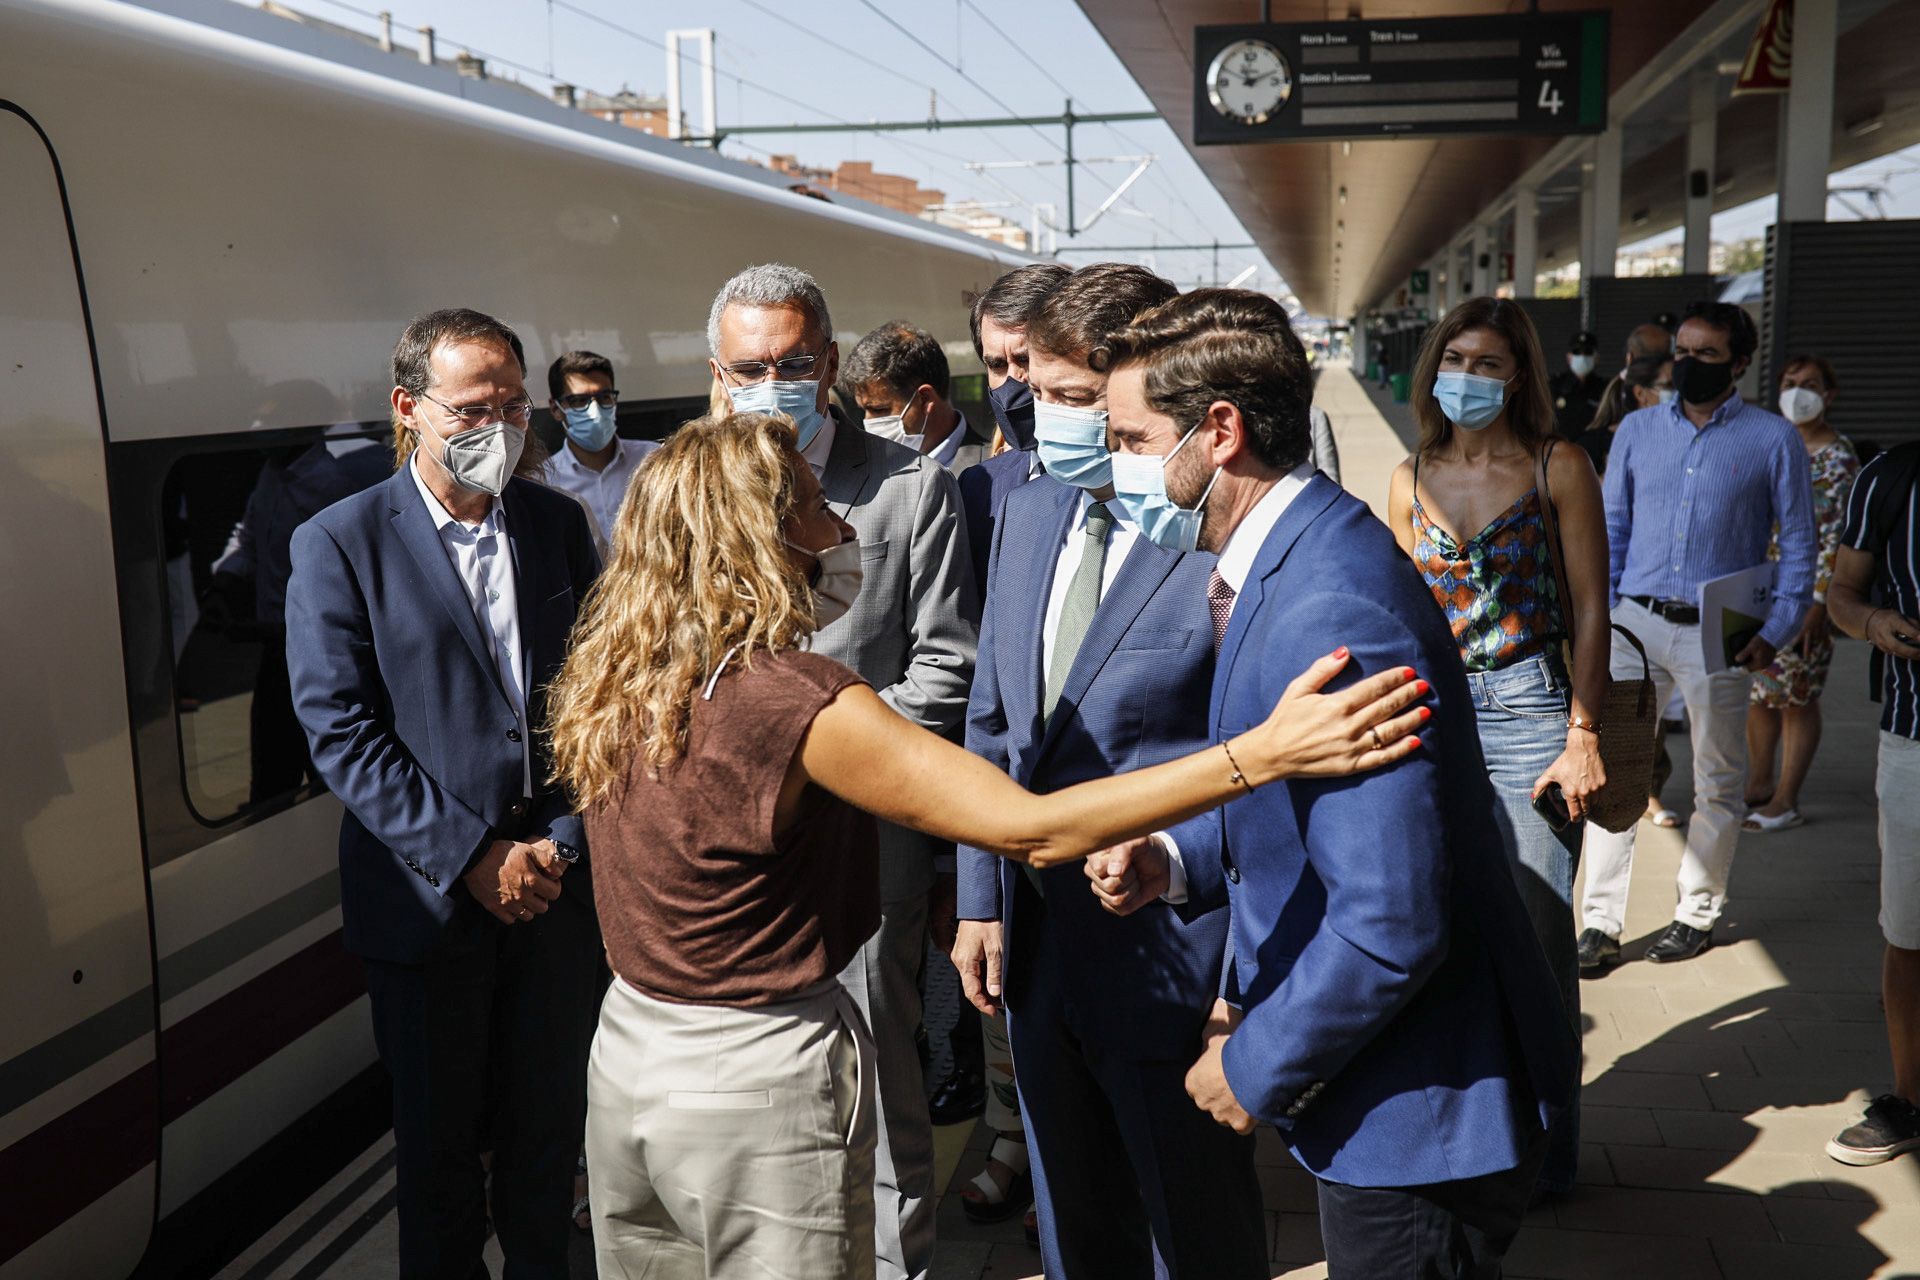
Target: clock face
{"x": 1249, "y": 81}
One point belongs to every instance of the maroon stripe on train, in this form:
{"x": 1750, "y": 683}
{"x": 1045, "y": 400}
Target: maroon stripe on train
{"x": 206, "y": 1051}
{"x": 75, "y": 1158}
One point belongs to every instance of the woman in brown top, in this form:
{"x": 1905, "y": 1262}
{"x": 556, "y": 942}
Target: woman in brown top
{"x": 730, "y": 782}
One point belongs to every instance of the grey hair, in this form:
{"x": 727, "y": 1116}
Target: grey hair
{"x": 771, "y": 284}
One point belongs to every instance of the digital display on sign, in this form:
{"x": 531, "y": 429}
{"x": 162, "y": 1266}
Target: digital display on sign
{"x": 1509, "y": 74}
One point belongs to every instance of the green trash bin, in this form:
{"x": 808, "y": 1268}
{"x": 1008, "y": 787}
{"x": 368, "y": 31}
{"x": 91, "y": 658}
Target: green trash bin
{"x": 1373, "y": 371}
{"x": 1402, "y": 384}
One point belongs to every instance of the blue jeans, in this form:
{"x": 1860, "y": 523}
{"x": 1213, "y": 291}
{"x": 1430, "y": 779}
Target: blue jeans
{"x": 1521, "y": 711}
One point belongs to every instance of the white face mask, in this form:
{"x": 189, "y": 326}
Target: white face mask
{"x": 893, "y": 426}
{"x": 480, "y": 460}
{"x": 1581, "y": 365}
{"x": 1799, "y": 405}
{"x": 838, "y": 584}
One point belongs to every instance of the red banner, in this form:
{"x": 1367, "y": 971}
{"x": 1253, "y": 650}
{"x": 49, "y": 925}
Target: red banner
{"x": 1769, "y": 64}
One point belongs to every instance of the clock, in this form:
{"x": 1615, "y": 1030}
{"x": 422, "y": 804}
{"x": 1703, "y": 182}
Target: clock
{"x": 1248, "y": 81}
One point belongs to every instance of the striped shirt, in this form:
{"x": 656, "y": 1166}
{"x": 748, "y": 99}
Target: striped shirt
{"x": 1687, "y": 505}
{"x": 1900, "y": 562}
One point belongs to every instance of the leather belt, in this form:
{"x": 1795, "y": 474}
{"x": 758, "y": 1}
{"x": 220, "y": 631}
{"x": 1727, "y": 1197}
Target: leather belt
{"x": 1685, "y": 615}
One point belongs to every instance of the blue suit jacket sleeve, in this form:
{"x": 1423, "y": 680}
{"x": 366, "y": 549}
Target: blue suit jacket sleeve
{"x": 556, "y": 817}
{"x": 978, "y": 896}
{"x": 1385, "y": 926}
{"x": 1198, "y": 840}
{"x": 338, "y": 696}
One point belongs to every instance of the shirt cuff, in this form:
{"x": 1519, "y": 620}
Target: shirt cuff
{"x": 1176, "y": 894}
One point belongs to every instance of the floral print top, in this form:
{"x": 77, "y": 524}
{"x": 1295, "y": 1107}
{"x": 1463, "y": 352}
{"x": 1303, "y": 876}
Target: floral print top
{"x": 1497, "y": 590}
{"x": 1833, "y": 467}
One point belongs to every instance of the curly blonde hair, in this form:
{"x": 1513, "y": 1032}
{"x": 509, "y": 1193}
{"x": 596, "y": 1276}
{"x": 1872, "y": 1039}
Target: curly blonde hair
{"x": 699, "y": 567}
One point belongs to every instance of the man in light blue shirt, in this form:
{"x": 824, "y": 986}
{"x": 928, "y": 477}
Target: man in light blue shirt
{"x": 1696, "y": 489}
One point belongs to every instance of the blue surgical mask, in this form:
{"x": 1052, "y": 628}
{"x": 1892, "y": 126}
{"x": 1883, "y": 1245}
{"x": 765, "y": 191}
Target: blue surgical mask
{"x": 1073, "y": 444}
{"x": 1140, "y": 486}
{"x": 1470, "y": 401}
{"x": 1012, "y": 403}
{"x": 590, "y": 426}
{"x": 799, "y": 400}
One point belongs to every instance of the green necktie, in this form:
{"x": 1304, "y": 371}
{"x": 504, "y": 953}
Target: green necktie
{"x": 1083, "y": 598}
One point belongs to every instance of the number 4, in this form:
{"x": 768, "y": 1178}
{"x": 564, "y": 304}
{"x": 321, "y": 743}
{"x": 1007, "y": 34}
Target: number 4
{"x": 1550, "y": 100}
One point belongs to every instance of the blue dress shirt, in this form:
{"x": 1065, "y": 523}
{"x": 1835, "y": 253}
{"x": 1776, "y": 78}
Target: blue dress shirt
{"x": 1687, "y": 505}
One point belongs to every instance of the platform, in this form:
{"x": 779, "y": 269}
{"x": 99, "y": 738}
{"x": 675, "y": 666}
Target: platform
{"x": 1712, "y": 1086}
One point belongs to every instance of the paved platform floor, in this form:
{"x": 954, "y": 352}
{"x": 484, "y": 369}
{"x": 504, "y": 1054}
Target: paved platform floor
{"x": 1711, "y": 1086}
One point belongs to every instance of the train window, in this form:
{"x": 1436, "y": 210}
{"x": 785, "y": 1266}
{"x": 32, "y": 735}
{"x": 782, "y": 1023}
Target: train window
{"x": 227, "y": 522}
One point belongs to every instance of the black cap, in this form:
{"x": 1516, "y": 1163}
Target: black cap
{"x": 1584, "y": 343}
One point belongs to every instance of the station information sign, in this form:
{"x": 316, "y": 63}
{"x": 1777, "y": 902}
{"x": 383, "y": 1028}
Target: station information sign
{"x": 1531, "y": 73}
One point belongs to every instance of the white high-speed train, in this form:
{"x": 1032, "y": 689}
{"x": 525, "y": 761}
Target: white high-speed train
{"x": 213, "y": 225}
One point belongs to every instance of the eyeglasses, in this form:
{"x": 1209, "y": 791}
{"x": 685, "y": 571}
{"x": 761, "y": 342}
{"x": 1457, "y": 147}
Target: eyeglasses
{"x": 518, "y": 412}
{"x": 605, "y": 399}
{"x": 785, "y": 370}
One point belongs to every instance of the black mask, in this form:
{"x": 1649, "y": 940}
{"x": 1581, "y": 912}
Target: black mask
{"x": 1012, "y": 403}
{"x": 1698, "y": 382}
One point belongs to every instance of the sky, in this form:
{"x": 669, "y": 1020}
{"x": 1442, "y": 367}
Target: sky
{"x": 863, "y": 60}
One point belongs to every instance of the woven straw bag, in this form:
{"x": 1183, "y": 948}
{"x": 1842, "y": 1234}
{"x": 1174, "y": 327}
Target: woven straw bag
{"x": 1629, "y": 722}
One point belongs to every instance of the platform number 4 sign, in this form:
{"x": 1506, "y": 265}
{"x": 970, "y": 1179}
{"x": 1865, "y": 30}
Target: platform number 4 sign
{"x": 1550, "y": 99}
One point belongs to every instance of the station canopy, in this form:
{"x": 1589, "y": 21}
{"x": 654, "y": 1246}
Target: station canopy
{"x": 1406, "y": 199}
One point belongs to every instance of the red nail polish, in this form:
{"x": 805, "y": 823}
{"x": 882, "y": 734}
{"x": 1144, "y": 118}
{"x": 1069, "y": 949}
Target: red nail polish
{"x": 1426, "y": 713}
{"x": 1341, "y": 652}
{"x": 1417, "y": 744}
{"x": 1422, "y": 688}
{"x": 1408, "y": 673}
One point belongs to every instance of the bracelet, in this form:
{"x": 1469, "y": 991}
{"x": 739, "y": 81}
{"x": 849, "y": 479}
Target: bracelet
{"x": 1866, "y": 632}
{"x": 1238, "y": 776}
{"x": 1579, "y": 722}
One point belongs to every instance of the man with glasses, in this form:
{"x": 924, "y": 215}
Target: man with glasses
{"x": 910, "y": 634}
{"x": 426, "y": 617}
{"x": 594, "y": 465}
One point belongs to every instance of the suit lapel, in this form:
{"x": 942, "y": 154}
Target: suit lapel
{"x": 415, "y": 525}
{"x": 1147, "y": 566}
{"x": 530, "y": 559}
{"x": 844, "y": 481}
{"x": 1305, "y": 508}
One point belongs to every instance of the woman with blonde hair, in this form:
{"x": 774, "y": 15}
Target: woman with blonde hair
{"x": 730, "y": 781}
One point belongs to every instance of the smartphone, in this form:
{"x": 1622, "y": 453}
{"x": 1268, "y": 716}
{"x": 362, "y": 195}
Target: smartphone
{"x": 1551, "y": 804}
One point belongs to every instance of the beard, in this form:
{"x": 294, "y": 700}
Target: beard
{"x": 1187, "y": 479}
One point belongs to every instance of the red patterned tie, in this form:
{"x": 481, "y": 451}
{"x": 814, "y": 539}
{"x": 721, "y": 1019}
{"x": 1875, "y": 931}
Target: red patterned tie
{"x": 1220, "y": 603}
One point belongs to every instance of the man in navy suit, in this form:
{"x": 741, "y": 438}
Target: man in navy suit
{"x": 1401, "y": 1028}
{"x": 1096, "y": 656}
{"x": 425, "y": 618}
{"x": 999, "y": 324}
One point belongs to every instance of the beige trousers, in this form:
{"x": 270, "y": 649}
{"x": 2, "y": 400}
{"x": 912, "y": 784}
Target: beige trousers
{"x": 731, "y": 1143}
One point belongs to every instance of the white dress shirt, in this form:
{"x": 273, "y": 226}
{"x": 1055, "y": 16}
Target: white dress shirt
{"x": 1236, "y": 563}
{"x": 482, "y": 559}
{"x": 944, "y": 452}
{"x": 602, "y": 491}
{"x": 817, "y": 452}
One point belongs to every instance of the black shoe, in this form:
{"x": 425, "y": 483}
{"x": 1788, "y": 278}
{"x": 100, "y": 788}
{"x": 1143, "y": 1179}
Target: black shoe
{"x": 1890, "y": 1127}
{"x": 1596, "y": 951}
{"x": 1679, "y": 942}
{"x": 961, "y": 1096}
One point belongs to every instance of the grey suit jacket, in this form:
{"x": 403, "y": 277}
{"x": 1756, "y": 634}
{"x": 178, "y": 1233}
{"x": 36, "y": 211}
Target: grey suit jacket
{"x": 913, "y": 629}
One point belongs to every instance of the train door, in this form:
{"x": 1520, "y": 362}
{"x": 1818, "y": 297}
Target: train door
{"x": 79, "y": 1116}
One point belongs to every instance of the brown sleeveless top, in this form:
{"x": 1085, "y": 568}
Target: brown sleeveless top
{"x": 699, "y": 902}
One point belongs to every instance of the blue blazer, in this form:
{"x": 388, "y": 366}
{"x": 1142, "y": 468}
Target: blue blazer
{"x": 1136, "y": 696}
{"x": 1400, "y": 1017}
{"x": 983, "y": 491}
{"x": 406, "y": 715}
